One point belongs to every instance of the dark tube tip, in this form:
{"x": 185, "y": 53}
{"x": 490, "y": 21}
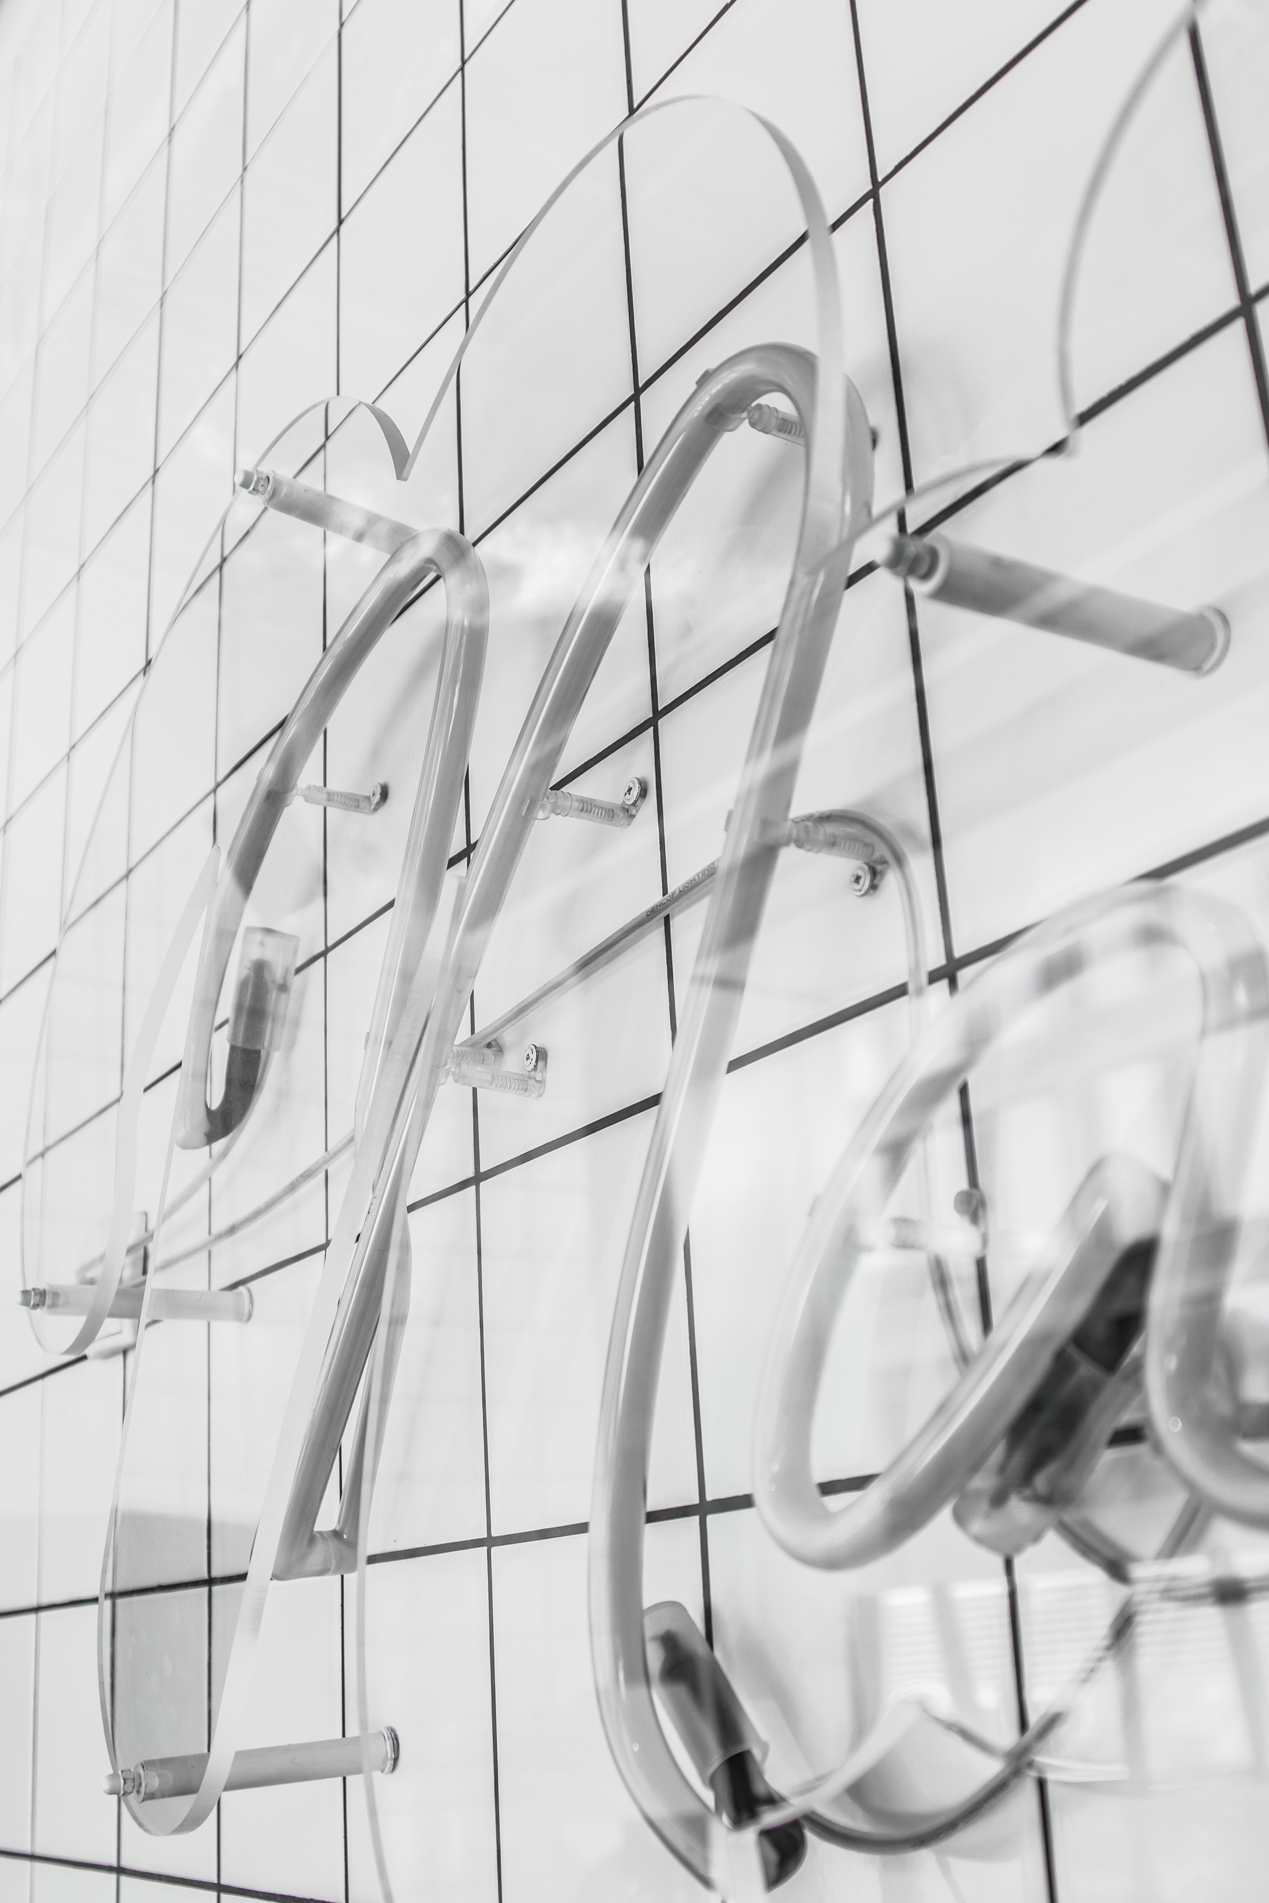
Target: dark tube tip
{"x": 741, "y": 1794}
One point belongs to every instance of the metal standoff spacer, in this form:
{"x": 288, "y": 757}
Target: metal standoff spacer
{"x": 166, "y": 1304}
{"x": 1194, "y": 641}
{"x": 258, "y": 1769}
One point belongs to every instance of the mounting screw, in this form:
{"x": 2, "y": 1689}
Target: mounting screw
{"x": 971, "y": 1204}
{"x": 863, "y": 879}
{"x": 634, "y": 792}
{"x": 530, "y": 1058}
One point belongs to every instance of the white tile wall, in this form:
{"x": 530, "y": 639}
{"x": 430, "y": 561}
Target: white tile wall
{"x": 215, "y": 214}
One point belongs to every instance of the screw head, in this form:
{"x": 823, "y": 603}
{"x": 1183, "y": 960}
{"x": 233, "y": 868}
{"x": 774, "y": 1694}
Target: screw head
{"x": 970, "y": 1205}
{"x": 634, "y": 791}
{"x": 530, "y": 1057}
{"x": 862, "y": 880}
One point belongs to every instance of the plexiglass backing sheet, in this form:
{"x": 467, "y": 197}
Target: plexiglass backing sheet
{"x": 617, "y": 1035}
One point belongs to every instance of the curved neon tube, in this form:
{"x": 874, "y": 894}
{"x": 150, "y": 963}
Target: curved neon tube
{"x": 311, "y": 1426}
{"x": 1227, "y": 1079}
{"x": 1119, "y": 1204}
{"x": 642, "y": 1754}
{"x": 430, "y": 552}
{"x": 413, "y": 1063}
{"x": 1198, "y": 1238}
{"x": 1228, "y": 1073}
{"x": 717, "y": 406}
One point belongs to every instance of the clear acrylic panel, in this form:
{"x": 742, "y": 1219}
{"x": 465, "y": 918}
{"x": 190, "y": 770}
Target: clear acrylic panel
{"x": 566, "y": 882}
{"x": 177, "y": 1151}
{"x": 555, "y": 1031}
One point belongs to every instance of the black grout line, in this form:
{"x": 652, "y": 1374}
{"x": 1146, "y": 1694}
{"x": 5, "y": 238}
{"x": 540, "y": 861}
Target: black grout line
{"x": 1097, "y": 408}
{"x": 658, "y": 787}
{"x": 451, "y": 79}
{"x": 831, "y": 1021}
{"x": 980, "y": 92}
{"x": 1237, "y": 258}
{"x": 326, "y": 551}
{"x": 213, "y": 1886}
{"x": 43, "y": 1374}
{"x": 915, "y": 651}
{"x": 943, "y": 973}
{"x": 285, "y": 1262}
{"x": 164, "y": 151}
{"x": 905, "y": 453}
{"x": 345, "y": 211}
{"x": 607, "y": 1122}
{"x": 952, "y": 963}
{"x": 1141, "y": 378}
{"x": 710, "y": 1507}
{"x": 718, "y": 1505}
{"x": 477, "y": 1174}
{"x": 673, "y": 67}
{"x": 1023, "y": 1718}
{"x": 936, "y": 837}
{"x": 154, "y": 846}
{"x": 239, "y": 187}
{"x": 1123, "y": 390}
